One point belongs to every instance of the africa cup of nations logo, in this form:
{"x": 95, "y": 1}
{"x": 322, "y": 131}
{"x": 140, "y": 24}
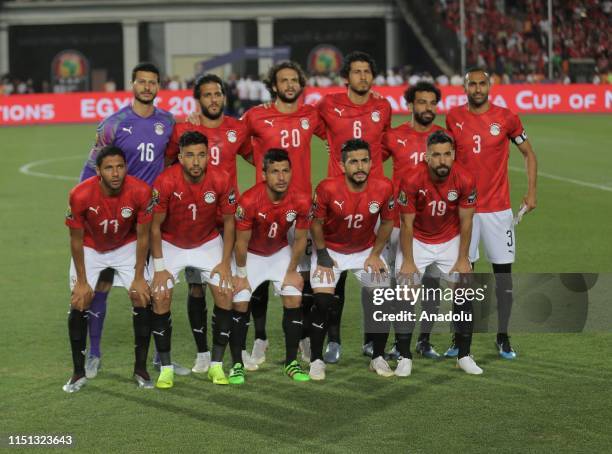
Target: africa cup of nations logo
{"x": 70, "y": 69}
{"x": 324, "y": 59}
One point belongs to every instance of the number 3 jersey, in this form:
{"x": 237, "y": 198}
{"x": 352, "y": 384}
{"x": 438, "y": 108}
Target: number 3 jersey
{"x": 350, "y": 217}
{"x": 436, "y": 204}
{"x": 191, "y": 207}
{"x": 269, "y": 222}
{"x": 142, "y": 139}
{"x": 109, "y": 222}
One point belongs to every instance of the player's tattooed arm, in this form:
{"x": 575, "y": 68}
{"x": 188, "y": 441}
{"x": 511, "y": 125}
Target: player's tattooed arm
{"x": 162, "y": 279}
{"x": 374, "y": 264}
{"x": 223, "y": 269}
{"x": 531, "y": 164}
{"x": 82, "y": 293}
{"x": 325, "y": 263}
{"x": 140, "y": 293}
{"x": 240, "y": 254}
{"x": 463, "y": 265}
{"x": 408, "y": 268}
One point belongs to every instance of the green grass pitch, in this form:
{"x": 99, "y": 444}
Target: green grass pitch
{"x": 554, "y": 398}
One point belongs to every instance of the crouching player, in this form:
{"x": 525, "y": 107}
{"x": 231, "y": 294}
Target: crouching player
{"x": 264, "y": 216}
{"x": 437, "y": 204}
{"x": 346, "y": 211}
{"x": 184, "y": 234}
{"x": 109, "y": 218}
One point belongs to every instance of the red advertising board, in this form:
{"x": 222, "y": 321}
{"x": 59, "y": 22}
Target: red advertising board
{"x": 92, "y": 107}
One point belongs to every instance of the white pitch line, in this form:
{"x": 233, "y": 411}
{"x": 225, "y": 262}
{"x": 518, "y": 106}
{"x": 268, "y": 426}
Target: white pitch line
{"x": 586, "y": 184}
{"x": 26, "y": 169}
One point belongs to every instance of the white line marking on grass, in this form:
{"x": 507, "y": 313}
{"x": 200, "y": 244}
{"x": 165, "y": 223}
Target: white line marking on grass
{"x": 26, "y": 169}
{"x": 566, "y": 180}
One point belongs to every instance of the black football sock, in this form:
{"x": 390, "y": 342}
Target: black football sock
{"x": 77, "y": 333}
{"x": 196, "y": 310}
{"x": 380, "y": 341}
{"x": 141, "y": 321}
{"x": 429, "y": 306}
{"x": 246, "y": 320}
{"x": 335, "y": 310}
{"x": 403, "y": 344}
{"x": 238, "y": 335}
{"x": 292, "y": 326}
{"x": 503, "y": 293}
{"x": 221, "y": 332}
{"x": 318, "y": 323}
{"x": 463, "y": 328}
{"x": 161, "y": 327}
{"x": 259, "y": 309}
{"x": 306, "y": 309}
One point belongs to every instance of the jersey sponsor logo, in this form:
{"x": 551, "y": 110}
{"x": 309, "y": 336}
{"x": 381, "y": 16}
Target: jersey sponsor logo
{"x": 126, "y": 212}
{"x": 69, "y": 215}
{"x": 179, "y": 195}
{"x": 305, "y": 124}
{"x": 339, "y": 203}
{"x": 232, "y": 136}
{"x": 338, "y": 111}
{"x": 495, "y": 129}
{"x": 263, "y": 215}
{"x": 269, "y": 122}
{"x": 95, "y": 210}
{"x": 452, "y": 195}
{"x": 159, "y": 128}
{"x": 239, "y": 213}
{"x": 375, "y": 116}
{"x": 402, "y": 199}
{"x": 403, "y": 142}
{"x": 128, "y": 130}
{"x": 472, "y": 197}
{"x": 460, "y": 125}
{"x": 423, "y": 191}
{"x": 373, "y": 207}
{"x": 210, "y": 197}
{"x": 231, "y": 198}
{"x": 291, "y": 215}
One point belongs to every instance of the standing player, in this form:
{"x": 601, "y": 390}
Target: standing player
{"x": 264, "y": 216}
{"x": 183, "y": 233}
{"x": 226, "y": 137}
{"x": 142, "y": 131}
{"x": 287, "y": 124}
{"x": 482, "y": 133}
{"x": 437, "y": 203}
{"x": 346, "y": 211}
{"x": 406, "y": 145}
{"x": 354, "y": 114}
{"x": 109, "y": 218}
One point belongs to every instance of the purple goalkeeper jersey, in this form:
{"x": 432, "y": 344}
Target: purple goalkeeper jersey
{"x": 143, "y": 140}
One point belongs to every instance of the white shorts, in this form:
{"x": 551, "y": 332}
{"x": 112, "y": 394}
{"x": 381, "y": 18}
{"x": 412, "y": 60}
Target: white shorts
{"x": 304, "y": 263}
{"x": 496, "y": 230}
{"x": 442, "y": 255}
{"x": 353, "y": 262}
{"x": 122, "y": 260}
{"x": 204, "y": 258}
{"x": 271, "y": 268}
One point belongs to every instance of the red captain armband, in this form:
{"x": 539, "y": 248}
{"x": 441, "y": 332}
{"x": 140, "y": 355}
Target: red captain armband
{"x": 522, "y": 137}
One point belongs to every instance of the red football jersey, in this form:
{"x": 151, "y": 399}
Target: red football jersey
{"x": 351, "y": 217}
{"x": 269, "y": 222}
{"x": 224, "y": 143}
{"x": 346, "y": 120}
{"x": 293, "y": 132}
{"x": 191, "y": 208}
{"x": 109, "y": 222}
{"x": 436, "y": 204}
{"x": 482, "y": 144}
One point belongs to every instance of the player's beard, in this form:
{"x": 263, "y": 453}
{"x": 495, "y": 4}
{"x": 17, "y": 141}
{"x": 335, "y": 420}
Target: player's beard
{"x": 420, "y": 119}
{"x": 442, "y": 171}
{"x": 112, "y": 187}
{"x": 360, "y": 91}
{"x": 478, "y": 103}
{"x": 287, "y": 99}
{"x": 212, "y": 116}
{"x": 358, "y": 183}
{"x": 145, "y": 101}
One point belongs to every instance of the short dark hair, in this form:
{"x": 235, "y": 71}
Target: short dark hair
{"x": 357, "y": 56}
{"x": 145, "y": 66}
{"x": 109, "y": 150}
{"x": 192, "y": 138}
{"x": 353, "y": 145}
{"x": 439, "y": 136}
{"x": 475, "y": 69}
{"x": 273, "y": 71}
{"x": 410, "y": 93}
{"x": 207, "y": 79}
{"x": 275, "y": 155}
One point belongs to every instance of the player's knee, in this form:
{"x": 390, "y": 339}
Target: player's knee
{"x": 138, "y": 301}
{"x": 196, "y": 290}
{"x": 292, "y": 302}
{"x": 161, "y": 305}
{"x": 241, "y": 306}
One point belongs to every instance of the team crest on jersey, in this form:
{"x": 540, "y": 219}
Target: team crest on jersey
{"x": 402, "y": 199}
{"x": 472, "y": 196}
{"x": 305, "y": 123}
{"x": 373, "y": 207}
{"x": 69, "y": 215}
{"x": 159, "y": 128}
{"x": 291, "y": 215}
{"x": 210, "y": 197}
{"x": 239, "y": 213}
{"x": 154, "y": 201}
{"x": 495, "y": 129}
{"x": 376, "y": 116}
{"x": 232, "y": 136}
{"x": 126, "y": 212}
{"x": 231, "y": 198}
{"x": 452, "y": 195}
